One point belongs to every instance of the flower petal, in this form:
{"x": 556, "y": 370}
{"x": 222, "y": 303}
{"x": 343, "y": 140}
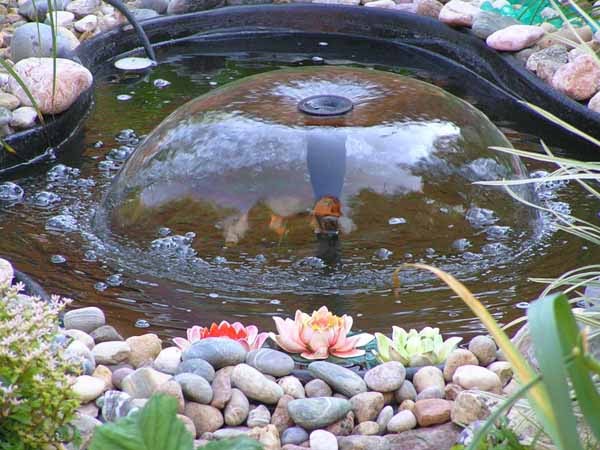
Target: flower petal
{"x": 349, "y": 354}
{"x": 181, "y": 343}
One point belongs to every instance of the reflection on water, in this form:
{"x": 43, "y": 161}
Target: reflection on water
{"x": 229, "y": 231}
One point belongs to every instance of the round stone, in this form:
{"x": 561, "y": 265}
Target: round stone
{"x": 432, "y": 412}
{"x": 88, "y": 388}
{"x": 292, "y": 386}
{"x": 221, "y": 387}
{"x": 368, "y": 428}
{"x": 270, "y": 362}
{"x": 106, "y": 333}
{"x": 205, "y": 417}
{"x": 457, "y": 358}
{"x": 317, "y": 388}
{"x": 323, "y": 440}
{"x": 406, "y": 392}
{"x": 198, "y": 367}
{"x": 294, "y": 435}
{"x": 430, "y": 392}
{"x": 118, "y": 376}
{"x": 143, "y": 382}
{"x": 195, "y": 388}
{"x": 384, "y": 418}
{"x": 428, "y": 376}
{"x": 357, "y": 442}
{"x": 144, "y": 349}
{"x": 81, "y": 336}
{"x": 237, "y": 409}
{"x": 476, "y": 377}
{"x": 503, "y": 369}
{"x": 84, "y": 319}
{"x": 312, "y": 413}
{"x": 367, "y": 405}
{"x": 342, "y": 380}
{"x": 385, "y": 377}
{"x": 112, "y": 352}
{"x": 255, "y": 385}
{"x": 403, "y": 421}
{"x": 168, "y": 360}
{"x": 484, "y": 348}
{"x": 218, "y": 352}
{"x": 259, "y": 417}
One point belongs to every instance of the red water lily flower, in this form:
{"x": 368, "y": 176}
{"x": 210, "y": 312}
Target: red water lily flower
{"x": 248, "y": 336}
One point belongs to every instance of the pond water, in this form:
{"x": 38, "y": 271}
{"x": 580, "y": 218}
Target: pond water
{"x": 177, "y": 265}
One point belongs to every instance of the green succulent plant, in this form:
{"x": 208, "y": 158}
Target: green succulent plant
{"x": 414, "y": 348}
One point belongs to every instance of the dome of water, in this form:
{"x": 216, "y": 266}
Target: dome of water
{"x": 243, "y": 175}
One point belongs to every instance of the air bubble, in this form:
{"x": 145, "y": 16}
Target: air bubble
{"x": 62, "y": 173}
{"x": 461, "y": 244}
{"x": 160, "y": 83}
{"x": 522, "y": 305}
{"x": 494, "y": 248}
{"x": 10, "y": 192}
{"x": 58, "y": 259}
{"x": 124, "y": 97}
{"x": 498, "y": 232}
{"x": 383, "y": 254}
{"x": 312, "y": 262}
{"x": 397, "y": 221}
{"x": 90, "y": 255}
{"x": 100, "y": 286}
{"x": 62, "y": 222}
{"x": 115, "y": 280}
{"x": 213, "y": 295}
{"x": 44, "y": 199}
{"x": 164, "y": 231}
{"x": 141, "y": 323}
{"x": 220, "y": 260}
{"x": 480, "y": 217}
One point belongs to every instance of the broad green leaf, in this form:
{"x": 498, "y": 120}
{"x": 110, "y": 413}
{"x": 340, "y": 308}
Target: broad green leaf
{"x": 155, "y": 427}
{"x": 413, "y": 345}
{"x": 447, "y": 347}
{"x": 383, "y": 346}
{"x": 545, "y": 333}
{"x": 585, "y": 390}
{"x": 427, "y": 345}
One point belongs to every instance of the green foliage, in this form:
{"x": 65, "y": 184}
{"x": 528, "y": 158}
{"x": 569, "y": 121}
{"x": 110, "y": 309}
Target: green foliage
{"x": 36, "y": 402}
{"x": 499, "y": 437}
{"x": 156, "y": 427}
{"x": 413, "y": 348}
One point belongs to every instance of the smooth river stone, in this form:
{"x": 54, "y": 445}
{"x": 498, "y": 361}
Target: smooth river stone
{"x": 340, "y": 379}
{"x": 259, "y": 417}
{"x": 457, "y": 358}
{"x": 218, "y": 352}
{"x": 144, "y": 349}
{"x": 294, "y": 435}
{"x": 323, "y": 440}
{"x": 88, "y": 388}
{"x": 6, "y": 272}
{"x": 386, "y": 377}
{"x": 84, "y": 319}
{"x": 484, "y": 348}
{"x": 255, "y": 385}
{"x": 514, "y": 37}
{"x": 205, "y": 417}
{"x": 367, "y": 443}
{"x": 237, "y": 408}
{"x": 143, "y": 382}
{"x": 312, "y": 413}
{"x": 367, "y": 405}
{"x": 221, "y": 387}
{"x": 195, "y": 388}
{"x": 292, "y": 386}
{"x": 168, "y": 360}
{"x": 403, "y": 421}
{"x": 112, "y": 352}
{"x": 270, "y": 362}
{"x": 198, "y": 367}
{"x": 476, "y": 377}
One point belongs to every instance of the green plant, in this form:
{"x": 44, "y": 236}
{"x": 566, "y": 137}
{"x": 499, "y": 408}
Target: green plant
{"x": 36, "y": 401}
{"x": 499, "y": 437}
{"x": 156, "y": 427}
{"x": 414, "y": 348}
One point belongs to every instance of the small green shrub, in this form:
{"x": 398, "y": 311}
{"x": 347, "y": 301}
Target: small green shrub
{"x": 499, "y": 437}
{"x": 36, "y": 401}
{"x": 156, "y": 427}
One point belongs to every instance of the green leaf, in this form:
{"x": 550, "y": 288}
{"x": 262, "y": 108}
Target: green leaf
{"x": 545, "y": 333}
{"x": 383, "y": 346}
{"x": 585, "y": 390}
{"x": 233, "y": 444}
{"x": 155, "y": 427}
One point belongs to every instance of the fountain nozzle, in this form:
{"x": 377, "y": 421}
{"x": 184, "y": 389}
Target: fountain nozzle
{"x": 325, "y": 105}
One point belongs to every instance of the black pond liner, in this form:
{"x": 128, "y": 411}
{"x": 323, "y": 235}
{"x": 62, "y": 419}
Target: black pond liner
{"x": 501, "y": 79}
{"x": 32, "y": 287}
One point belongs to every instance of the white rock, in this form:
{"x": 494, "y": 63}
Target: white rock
{"x": 86, "y": 24}
{"x": 514, "y": 37}
{"x": 390, "y": 4}
{"x": 61, "y": 18}
{"x": 82, "y": 337}
{"x": 69, "y": 36}
{"x": 458, "y": 13}
{"x": 88, "y": 388}
{"x": 476, "y": 377}
{"x": 23, "y": 117}
{"x": 72, "y": 79}
{"x": 323, "y": 440}
{"x": 168, "y": 360}
{"x": 428, "y": 376}
{"x": 6, "y": 272}
{"x": 82, "y": 8}
{"x": 143, "y": 382}
{"x": 403, "y": 421}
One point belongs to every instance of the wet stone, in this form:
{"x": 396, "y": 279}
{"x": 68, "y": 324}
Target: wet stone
{"x": 195, "y": 387}
{"x": 342, "y": 380}
{"x": 218, "y": 352}
{"x": 311, "y": 413}
{"x": 488, "y": 22}
{"x": 198, "y": 367}
{"x": 270, "y": 362}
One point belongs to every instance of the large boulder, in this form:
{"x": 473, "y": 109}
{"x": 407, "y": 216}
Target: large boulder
{"x": 72, "y": 79}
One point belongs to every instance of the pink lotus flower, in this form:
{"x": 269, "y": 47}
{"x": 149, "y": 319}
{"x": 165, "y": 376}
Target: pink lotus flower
{"x": 248, "y": 336}
{"x": 319, "y": 335}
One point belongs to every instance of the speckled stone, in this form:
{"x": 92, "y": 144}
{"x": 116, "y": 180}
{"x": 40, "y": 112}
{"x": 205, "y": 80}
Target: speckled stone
{"x": 311, "y": 413}
{"x": 270, "y": 362}
{"x": 218, "y": 352}
{"x": 341, "y": 380}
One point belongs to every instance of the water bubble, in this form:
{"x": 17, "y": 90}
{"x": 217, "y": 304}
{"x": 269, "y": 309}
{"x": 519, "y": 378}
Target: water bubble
{"x": 44, "y": 199}
{"x": 141, "y": 323}
{"x": 497, "y": 232}
{"x": 323, "y": 44}
{"x": 108, "y": 165}
{"x": 120, "y": 154}
{"x": 213, "y": 295}
{"x": 461, "y": 244}
{"x": 125, "y": 135}
{"x": 58, "y": 259}
{"x": 522, "y": 305}
{"x": 115, "y": 280}
{"x": 176, "y": 245}
{"x": 86, "y": 183}
{"x": 219, "y": 260}
{"x": 98, "y": 144}
{"x": 484, "y": 169}
{"x": 100, "y": 286}
{"x": 90, "y": 255}
{"x": 62, "y": 173}
{"x": 312, "y": 262}
{"x": 275, "y": 302}
{"x": 260, "y": 258}
{"x": 470, "y": 256}
{"x": 397, "y": 221}
{"x": 62, "y": 222}
{"x": 444, "y": 210}
{"x": 430, "y": 251}
{"x": 190, "y": 235}
{"x": 383, "y": 254}
{"x": 480, "y": 217}
{"x": 408, "y": 255}
{"x": 124, "y": 97}
{"x": 160, "y": 83}
{"x": 317, "y": 59}
{"x": 164, "y": 231}
{"x": 213, "y": 83}
{"x": 10, "y": 192}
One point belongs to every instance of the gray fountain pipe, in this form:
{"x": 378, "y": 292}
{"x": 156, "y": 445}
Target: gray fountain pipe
{"x": 326, "y": 162}
{"x": 120, "y": 6}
